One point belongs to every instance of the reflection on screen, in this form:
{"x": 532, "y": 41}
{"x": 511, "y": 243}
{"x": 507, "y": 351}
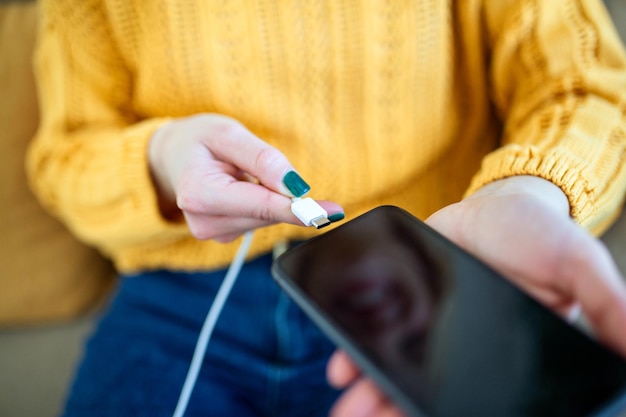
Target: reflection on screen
{"x": 457, "y": 339}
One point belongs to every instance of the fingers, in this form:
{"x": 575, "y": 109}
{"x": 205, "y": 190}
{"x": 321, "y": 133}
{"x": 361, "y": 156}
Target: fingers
{"x": 596, "y": 282}
{"x": 364, "y": 399}
{"x": 231, "y": 198}
{"x": 227, "y": 217}
{"x": 231, "y": 142}
{"x": 225, "y": 224}
{"x": 341, "y": 371}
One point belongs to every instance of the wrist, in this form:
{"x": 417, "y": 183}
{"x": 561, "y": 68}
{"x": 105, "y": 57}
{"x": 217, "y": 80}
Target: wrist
{"x": 529, "y": 186}
{"x": 166, "y": 196}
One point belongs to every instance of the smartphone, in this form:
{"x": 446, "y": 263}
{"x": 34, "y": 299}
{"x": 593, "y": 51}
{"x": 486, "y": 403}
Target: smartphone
{"x": 440, "y": 332}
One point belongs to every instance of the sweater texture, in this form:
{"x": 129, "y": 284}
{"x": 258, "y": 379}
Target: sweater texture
{"x": 410, "y": 103}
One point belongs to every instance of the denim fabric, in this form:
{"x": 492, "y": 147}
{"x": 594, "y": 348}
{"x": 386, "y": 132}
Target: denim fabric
{"x": 265, "y": 357}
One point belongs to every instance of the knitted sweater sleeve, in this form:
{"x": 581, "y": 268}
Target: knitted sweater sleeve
{"x": 558, "y": 77}
{"x": 88, "y": 162}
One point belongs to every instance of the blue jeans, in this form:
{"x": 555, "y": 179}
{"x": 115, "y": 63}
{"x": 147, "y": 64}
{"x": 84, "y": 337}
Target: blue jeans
{"x": 265, "y": 358}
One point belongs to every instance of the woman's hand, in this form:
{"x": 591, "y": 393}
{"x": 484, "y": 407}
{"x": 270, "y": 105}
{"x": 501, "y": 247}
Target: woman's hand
{"x": 222, "y": 178}
{"x": 521, "y": 227}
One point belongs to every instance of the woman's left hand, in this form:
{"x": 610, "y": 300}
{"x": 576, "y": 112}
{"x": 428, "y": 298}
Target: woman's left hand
{"x": 521, "y": 227}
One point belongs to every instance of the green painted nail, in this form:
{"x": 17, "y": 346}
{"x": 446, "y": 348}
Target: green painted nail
{"x": 336, "y": 217}
{"x": 295, "y": 184}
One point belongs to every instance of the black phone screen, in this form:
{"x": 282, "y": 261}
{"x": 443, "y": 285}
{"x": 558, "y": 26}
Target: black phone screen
{"x": 442, "y": 333}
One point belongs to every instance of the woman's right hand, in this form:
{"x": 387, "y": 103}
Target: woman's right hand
{"x": 222, "y": 178}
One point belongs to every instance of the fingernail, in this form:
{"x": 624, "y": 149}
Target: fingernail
{"x": 295, "y": 184}
{"x": 336, "y": 217}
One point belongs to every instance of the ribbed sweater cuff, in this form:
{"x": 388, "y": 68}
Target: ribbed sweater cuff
{"x": 557, "y": 165}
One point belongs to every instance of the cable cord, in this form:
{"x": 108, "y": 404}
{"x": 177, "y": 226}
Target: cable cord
{"x": 209, "y": 324}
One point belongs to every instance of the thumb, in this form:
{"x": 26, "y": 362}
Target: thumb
{"x": 599, "y": 288}
{"x": 341, "y": 371}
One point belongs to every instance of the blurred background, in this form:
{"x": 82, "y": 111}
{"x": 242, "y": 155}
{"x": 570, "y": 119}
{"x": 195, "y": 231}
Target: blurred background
{"x": 37, "y": 361}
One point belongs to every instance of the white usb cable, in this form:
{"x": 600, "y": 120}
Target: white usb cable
{"x": 308, "y": 212}
{"x": 209, "y": 324}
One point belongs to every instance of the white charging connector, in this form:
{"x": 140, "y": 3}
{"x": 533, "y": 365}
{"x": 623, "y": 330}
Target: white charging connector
{"x": 309, "y": 212}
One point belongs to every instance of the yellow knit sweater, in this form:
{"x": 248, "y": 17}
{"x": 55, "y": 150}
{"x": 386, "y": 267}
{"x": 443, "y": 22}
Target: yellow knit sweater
{"x": 373, "y": 101}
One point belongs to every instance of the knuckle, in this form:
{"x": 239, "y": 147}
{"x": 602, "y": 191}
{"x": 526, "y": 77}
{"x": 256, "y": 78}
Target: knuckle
{"x": 217, "y": 128}
{"x": 267, "y": 159}
{"x": 263, "y": 212}
{"x": 225, "y": 128}
{"x": 188, "y": 201}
